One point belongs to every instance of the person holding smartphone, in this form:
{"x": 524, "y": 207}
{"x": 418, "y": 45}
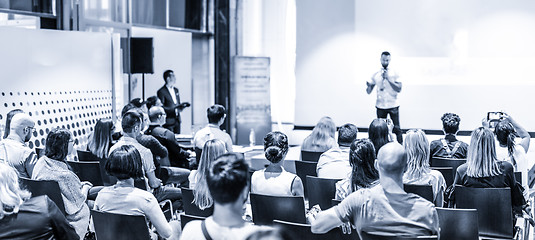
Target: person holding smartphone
{"x": 388, "y": 87}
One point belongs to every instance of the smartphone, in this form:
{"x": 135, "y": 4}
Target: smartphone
{"x": 493, "y": 118}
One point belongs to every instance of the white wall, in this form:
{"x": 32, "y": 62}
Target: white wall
{"x": 467, "y": 57}
{"x": 172, "y": 50}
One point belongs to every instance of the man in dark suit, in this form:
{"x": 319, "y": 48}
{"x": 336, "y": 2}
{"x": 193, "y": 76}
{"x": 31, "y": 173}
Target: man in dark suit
{"x": 170, "y": 98}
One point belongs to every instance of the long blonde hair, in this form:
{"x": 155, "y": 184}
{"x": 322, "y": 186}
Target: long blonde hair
{"x": 211, "y": 150}
{"x": 322, "y": 132}
{"x": 11, "y": 196}
{"x": 481, "y": 159}
{"x": 417, "y": 148}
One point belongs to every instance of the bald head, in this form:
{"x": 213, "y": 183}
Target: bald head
{"x": 392, "y": 159}
{"x": 23, "y": 126}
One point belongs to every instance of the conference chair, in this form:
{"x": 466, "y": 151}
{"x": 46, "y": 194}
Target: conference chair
{"x": 40, "y": 152}
{"x": 86, "y": 156}
{"x": 185, "y": 219}
{"x": 112, "y": 226}
{"x": 494, "y": 209}
{"x": 447, "y": 173}
{"x": 518, "y": 177}
{"x": 45, "y": 187}
{"x": 320, "y": 191}
{"x": 310, "y": 156}
{"x": 303, "y": 169}
{"x": 303, "y": 231}
{"x": 425, "y": 191}
{"x": 266, "y": 208}
{"x": 447, "y": 162}
{"x": 198, "y": 152}
{"x": 191, "y": 208}
{"x": 87, "y": 171}
{"x": 455, "y": 223}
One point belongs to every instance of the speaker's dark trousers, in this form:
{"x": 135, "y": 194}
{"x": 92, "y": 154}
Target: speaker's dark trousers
{"x": 394, "y": 115}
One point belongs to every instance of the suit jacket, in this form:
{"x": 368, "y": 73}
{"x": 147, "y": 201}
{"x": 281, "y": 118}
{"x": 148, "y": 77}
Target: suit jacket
{"x": 178, "y": 157}
{"x": 169, "y": 106}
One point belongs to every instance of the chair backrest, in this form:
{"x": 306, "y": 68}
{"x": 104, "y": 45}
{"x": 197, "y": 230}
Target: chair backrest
{"x": 86, "y": 156}
{"x": 302, "y": 231}
{"x": 321, "y": 191}
{"x": 266, "y": 208}
{"x": 87, "y": 171}
{"x": 45, "y": 187}
{"x": 191, "y": 208}
{"x": 447, "y": 162}
{"x": 455, "y": 223}
{"x": 494, "y": 209}
{"x": 185, "y": 219}
{"x": 448, "y": 174}
{"x": 310, "y": 156}
{"x": 198, "y": 152}
{"x": 303, "y": 169}
{"x": 40, "y": 152}
{"x": 425, "y": 191}
{"x": 112, "y": 226}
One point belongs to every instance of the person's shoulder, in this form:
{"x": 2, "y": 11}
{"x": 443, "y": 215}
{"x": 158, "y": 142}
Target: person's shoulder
{"x": 161, "y": 89}
{"x": 506, "y": 165}
{"x": 192, "y": 230}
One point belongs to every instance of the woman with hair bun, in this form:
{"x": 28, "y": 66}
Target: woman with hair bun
{"x": 274, "y": 180}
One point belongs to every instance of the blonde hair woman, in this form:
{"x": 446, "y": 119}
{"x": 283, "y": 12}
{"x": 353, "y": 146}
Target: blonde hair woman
{"x": 197, "y": 178}
{"x": 418, "y": 171}
{"x": 23, "y": 217}
{"x": 322, "y": 137}
{"x": 483, "y": 170}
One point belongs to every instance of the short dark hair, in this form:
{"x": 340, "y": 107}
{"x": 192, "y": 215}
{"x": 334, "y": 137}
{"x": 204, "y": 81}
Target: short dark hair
{"x": 138, "y": 102}
{"x": 130, "y": 121}
{"x": 57, "y": 144}
{"x": 385, "y": 53}
{"x": 227, "y": 178}
{"x": 124, "y": 163}
{"x": 151, "y": 101}
{"x": 347, "y": 133}
{"x": 127, "y": 108}
{"x": 275, "y": 146}
{"x": 450, "y": 122}
{"x": 166, "y": 74}
{"x": 215, "y": 113}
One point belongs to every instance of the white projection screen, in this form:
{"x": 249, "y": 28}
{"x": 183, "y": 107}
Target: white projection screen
{"x": 467, "y": 57}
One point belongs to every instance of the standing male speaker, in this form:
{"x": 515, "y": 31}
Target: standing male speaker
{"x": 170, "y": 98}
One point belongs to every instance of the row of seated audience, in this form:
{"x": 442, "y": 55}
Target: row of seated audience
{"x": 371, "y": 170}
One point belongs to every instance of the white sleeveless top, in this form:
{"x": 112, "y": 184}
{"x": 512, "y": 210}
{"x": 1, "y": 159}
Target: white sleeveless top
{"x": 275, "y": 184}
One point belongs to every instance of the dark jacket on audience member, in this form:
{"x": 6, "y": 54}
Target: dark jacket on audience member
{"x": 38, "y": 218}
{"x": 177, "y": 155}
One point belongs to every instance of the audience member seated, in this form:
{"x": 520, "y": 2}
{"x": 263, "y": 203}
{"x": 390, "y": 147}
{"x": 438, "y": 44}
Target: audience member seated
{"x": 22, "y": 217}
{"x": 153, "y": 101}
{"x": 178, "y": 157}
{"x": 363, "y": 174}
{"x": 449, "y": 146}
{"x": 483, "y": 170}
{"x": 216, "y": 116}
{"x": 53, "y": 166}
{"x": 418, "y": 171}
{"x": 123, "y": 198}
{"x": 100, "y": 141}
{"x": 385, "y": 209}
{"x": 322, "y": 137}
{"x": 274, "y": 180}
{"x": 9, "y": 116}
{"x": 379, "y": 133}
{"x": 13, "y": 149}
{"x": 131, "y": 125}
{"x": 227, "y": 182}
{"x": 508, "y": 150}
{"x": 197, "y": 178}
{"x": 334, "y": 163}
